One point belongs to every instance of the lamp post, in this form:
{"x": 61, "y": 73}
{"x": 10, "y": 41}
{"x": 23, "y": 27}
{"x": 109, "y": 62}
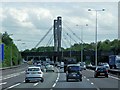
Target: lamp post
{"x": 96, "y": 12}
{"x": 81, "y": 40}
{"x": 19, "y": 40}
{"x": 11, "y": 61}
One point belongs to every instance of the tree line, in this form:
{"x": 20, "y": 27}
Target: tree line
{"x": 12, "y": 55}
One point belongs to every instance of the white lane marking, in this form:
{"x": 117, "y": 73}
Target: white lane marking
{"x": 56, "y": 79}
{"x": 12, "y": 75}
{"x": 14, "y": 85}
{"x": 90, "y": 70}
{"x": 3, "y": 83}
{"x": 92, "y": 83}
{"x": 113, "y": 77}
{"x": 35, "y": 84}
{"x": 54, "y": 85}
{"x": 88, "y": 79}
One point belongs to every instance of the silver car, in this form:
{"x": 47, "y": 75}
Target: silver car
{"x": 49, "y": 68}
{"x": 34, "y": 74}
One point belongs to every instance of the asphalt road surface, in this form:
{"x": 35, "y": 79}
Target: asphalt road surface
{"x": 14, "y": 79}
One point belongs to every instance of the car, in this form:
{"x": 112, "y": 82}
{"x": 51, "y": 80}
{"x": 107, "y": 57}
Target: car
{"x": 34, "y": 73}
{"x": 101, "y": 71}
{"x": 62, "y": 65}
{"x": 83, "y": 65}
{"x": 73, "y": 72}
{"x": 41, "y": 66}
{"x": 49, "y": 68}
{"x": 106, "y": 65}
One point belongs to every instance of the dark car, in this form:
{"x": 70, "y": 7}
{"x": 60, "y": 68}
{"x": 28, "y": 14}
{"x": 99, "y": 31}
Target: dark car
{"x": 73, "y": 72}
{"x": 101, "y": 71}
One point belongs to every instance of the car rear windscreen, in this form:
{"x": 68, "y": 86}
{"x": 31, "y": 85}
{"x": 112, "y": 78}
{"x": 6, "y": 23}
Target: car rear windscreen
{"x": 33, "y": 69}
{"x": 74, "y": 68}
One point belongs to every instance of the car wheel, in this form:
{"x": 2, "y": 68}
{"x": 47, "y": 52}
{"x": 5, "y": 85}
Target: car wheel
{"x": 107, "y": 76}
{"x": 26, "y": 81}
{"x": 95, "y": 76}
{"x": 80, "y": 79}
{"x": 53, "y": 70}
{"x": 67, "y": 79}
{"x": 42, "y": 80}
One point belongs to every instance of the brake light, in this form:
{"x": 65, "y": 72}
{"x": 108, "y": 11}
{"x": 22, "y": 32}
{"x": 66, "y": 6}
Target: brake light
{"x": 39, "y": 73}
{"x": 27, "y": 72}
{"x": 106, "y": 70}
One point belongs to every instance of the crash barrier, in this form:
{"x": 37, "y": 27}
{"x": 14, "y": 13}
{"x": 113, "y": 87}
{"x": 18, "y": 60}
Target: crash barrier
{"x": 112, "y": 71}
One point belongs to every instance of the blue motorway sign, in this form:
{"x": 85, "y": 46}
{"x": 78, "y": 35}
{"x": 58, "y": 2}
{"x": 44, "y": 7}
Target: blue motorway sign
{"x": 1, "y": 52}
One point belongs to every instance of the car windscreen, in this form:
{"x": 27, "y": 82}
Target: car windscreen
{"x": 73, "y": 68}
{"x": 101, "y": 69}
{"x": 33, "y": 69}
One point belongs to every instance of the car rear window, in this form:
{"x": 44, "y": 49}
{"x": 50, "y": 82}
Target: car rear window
{"x": 33, "y": 69}
{"x": 101, "y": 69}
{"x": 74, "y": 68}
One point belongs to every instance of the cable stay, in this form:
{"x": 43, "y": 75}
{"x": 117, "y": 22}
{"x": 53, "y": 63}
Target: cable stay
{"x": 50, "y": 40}
{"x": 44, "y": 37}
{"x": 70, "y": 36}
{"x": 74, "y": 33}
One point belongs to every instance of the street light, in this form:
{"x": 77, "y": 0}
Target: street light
{"x": 82, "y": 41}
{"x": 96, "y": 11}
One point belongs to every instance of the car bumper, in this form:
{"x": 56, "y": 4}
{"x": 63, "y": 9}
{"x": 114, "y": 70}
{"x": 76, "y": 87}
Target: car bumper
{"x": 34, "y": 78}
{"x": 74, "y": 77}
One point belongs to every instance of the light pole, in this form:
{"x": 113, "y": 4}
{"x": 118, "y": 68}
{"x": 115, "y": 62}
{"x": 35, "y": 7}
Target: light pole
{"x": 19, "y": 40}
{"x": 11, "y": 63}
{"x": 96, "y": 12}
{"x": 81, "y": 40}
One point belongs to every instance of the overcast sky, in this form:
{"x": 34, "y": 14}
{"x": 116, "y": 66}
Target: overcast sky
{"x": 29, "y": 21}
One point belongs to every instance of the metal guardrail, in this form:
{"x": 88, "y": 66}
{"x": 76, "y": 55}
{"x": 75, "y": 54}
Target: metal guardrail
{"x": 112, "y": 71}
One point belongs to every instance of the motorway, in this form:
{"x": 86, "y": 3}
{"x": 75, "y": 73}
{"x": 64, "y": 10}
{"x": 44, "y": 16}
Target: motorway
{"x": 13, "y": 79}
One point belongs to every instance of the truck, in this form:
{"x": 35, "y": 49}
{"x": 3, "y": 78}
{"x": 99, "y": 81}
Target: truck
{"x": 114, "y": 61}
{"x": 68, "y": 61}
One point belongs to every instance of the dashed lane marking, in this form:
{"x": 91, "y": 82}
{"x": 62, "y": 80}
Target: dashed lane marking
{"x": 14, "y": 85}
{"x": 11, "y": 75}
{"x": 92, "y": 83}
{"x": 35, "y": 84}
{"x": 56, "y": 79}
{"x": 3, "y": 83}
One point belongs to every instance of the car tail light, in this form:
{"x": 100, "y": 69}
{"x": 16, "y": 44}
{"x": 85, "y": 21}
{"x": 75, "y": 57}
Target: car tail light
{"x": 27, "y": 72}
{"x": 39, "y": 73}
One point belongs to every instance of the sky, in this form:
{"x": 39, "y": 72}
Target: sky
{"x": 30, "y": 21}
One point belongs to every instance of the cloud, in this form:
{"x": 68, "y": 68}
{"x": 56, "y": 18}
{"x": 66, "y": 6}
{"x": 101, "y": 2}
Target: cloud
{"x": 30, "y": 21}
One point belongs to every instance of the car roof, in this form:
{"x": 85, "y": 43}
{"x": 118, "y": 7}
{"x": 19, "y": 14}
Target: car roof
{"x": 100, "y": 67}
{"x": 33, "y": 67}
{"x": 73, "y": 65}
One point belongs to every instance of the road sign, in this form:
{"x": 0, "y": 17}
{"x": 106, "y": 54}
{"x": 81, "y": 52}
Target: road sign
{"x": 1, "y": 52}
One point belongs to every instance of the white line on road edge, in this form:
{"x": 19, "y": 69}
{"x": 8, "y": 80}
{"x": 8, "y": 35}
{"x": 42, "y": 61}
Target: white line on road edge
{"x": 35, "y": 84}
{"x": 3, "y": 83}
{"x": 14, "y": 85}
{"x": 56, "y": 79}
{"x": 113, "y": 77}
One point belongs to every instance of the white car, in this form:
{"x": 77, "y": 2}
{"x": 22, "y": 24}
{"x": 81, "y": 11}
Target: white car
{"x": 34, "y": 74}
{"x": 49, "y": 68}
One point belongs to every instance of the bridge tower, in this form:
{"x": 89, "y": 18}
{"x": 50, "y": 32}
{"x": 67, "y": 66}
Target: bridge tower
{"x": 57, "y": 35}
